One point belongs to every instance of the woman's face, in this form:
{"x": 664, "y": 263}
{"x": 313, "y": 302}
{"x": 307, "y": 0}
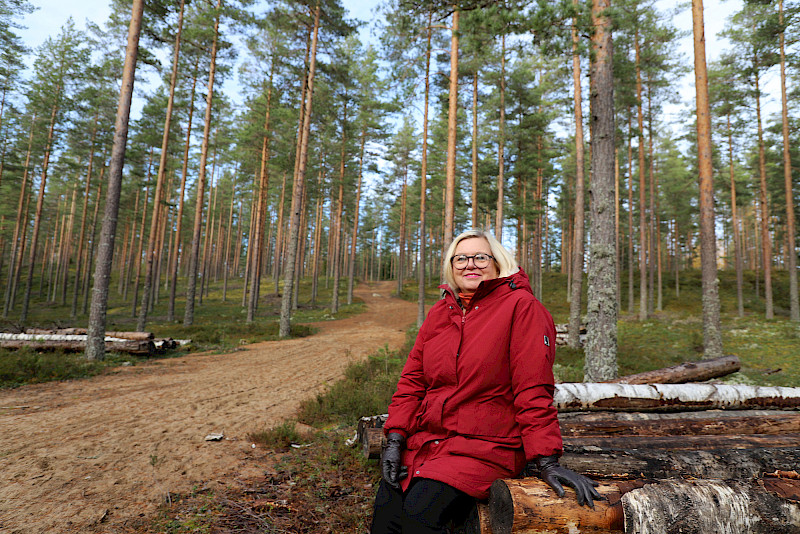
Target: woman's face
{"x": 468, "y": 278}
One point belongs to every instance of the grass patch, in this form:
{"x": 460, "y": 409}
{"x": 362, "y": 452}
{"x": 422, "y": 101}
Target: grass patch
{"x": 27, "y": 366}
{"x": 279, "y": 438}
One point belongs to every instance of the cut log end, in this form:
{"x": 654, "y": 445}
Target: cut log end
{"x": 501, "y": 508}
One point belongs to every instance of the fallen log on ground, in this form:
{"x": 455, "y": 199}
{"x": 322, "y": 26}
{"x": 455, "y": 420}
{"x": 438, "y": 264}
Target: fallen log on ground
{"x": 139, "y": 343}
{"x": 646, "y": 507}
{"x": 583, "y": 396}
{"x": 708, "y": 422}
{"x": 138, "y": 336}
{"x": 117, "y": 345}
{"x": 729, "y": 464}
{"x": 685, "y": 372}
{"x": 703, "y": 506}
{"x": 674, "y": 443}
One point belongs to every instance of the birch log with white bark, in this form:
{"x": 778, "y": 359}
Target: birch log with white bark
{"x": 672, "y": 397}
{"x": 705, "y": 506}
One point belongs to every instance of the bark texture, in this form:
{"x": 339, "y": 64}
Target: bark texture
{"x": 712, "y": 329}
{"x": 95, "y": 347}
{"x": 601, "y": 342}
{"x": 703, "y": 506}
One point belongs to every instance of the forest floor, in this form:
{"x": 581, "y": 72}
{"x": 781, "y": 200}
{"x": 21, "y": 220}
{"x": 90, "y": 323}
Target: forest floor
{"x": 102, "y": 454}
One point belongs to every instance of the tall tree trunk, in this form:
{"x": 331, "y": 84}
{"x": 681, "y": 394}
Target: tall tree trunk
{"x": 352, "y": 260}
{"x": 794, "y": 300}
{"x": 766, "y": 241}
{"x": 631, "y": 257}
{"x": 712, "y": 330}
{"x": 601, "y": 342}
{"x": 423, "y": 192}
{"x": 19, "y": 227}
{"x": 279, "y": 239}
{"x": 95, "y": 346}
{"x": 86, "y": 195}
{"x": 401, "y": 248}
{"x": 339, "y": 236}
{"x": 298, "y": 188}
{"x": 737, "y": 243}
{"x": 226, "y": 261}
{"x": 498, "y": 224}
{"x": 194, "y": 254}
{"x": 642, "y": 210}
{"x": 475, "y": 149}
{"x": 450, "y": 178}
{"x": 261, "y": 211}
{"x": 577, "y": 247}
{"x": 176, "y": 244}
{"x": 67, "y": 245}
{"x": 651, "y": 236}
{"x": 38, "y": 215}
{"x": 162, "y": 172}
{"x": 138, "y": 257}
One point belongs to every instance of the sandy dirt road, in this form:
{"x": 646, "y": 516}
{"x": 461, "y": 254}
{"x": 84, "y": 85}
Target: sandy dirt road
{"x": 96, "y": 455}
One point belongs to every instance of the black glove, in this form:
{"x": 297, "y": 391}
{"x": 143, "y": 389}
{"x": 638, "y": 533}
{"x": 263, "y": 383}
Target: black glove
{"x": 554, "y": 474}
{"x": 392, "y": 471}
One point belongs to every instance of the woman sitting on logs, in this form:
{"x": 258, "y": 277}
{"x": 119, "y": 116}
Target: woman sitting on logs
{"x": 475, "y": 399}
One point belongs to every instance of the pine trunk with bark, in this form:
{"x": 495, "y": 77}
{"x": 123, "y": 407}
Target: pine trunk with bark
{"x": 298, "y": 188}
{"x": 601, "y": 342}
{"x": 95, "y": 346}
{"x": 155, "y": 221}
{"x": 576, "y": 272}
{"x": 423, "y": 195}
{"x": 38, "y": 214}
{"x": 712, "y": 329}
{"x": 176, "y": 244}
{"x": 450, "y": 175}
{"x": 791, "y": 263}
{"x": 498, "y": 223}
{"x": 764, "y": 213}
{"x": 194, "y": 253}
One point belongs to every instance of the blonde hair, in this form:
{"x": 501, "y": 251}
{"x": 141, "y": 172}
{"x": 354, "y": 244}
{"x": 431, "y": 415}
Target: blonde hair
{"x": 506, "y": 264}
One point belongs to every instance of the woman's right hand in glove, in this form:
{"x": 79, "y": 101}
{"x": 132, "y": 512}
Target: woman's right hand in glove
{"x": 391, "y": 469}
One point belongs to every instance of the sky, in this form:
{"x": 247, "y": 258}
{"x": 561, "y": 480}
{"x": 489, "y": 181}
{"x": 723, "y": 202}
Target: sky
{"x": 52, "y": 14}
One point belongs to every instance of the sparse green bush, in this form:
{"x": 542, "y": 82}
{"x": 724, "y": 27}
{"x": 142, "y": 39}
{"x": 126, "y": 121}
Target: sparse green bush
{"x": 280, "y": 437}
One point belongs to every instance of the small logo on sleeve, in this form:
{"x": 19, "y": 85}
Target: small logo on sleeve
{"x": 547, "y": 341}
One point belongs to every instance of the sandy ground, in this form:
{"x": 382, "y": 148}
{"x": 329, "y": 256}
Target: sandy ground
{"x": 96, "y": 455}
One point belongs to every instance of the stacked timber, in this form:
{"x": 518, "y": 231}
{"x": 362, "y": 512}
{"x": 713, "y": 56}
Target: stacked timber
{"x": 74, "y": 339}
{"x": 670, "y": 458}
{"x": 562, "y": 334}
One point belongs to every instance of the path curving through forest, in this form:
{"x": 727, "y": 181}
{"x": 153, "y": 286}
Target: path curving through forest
{"x": 95, "y": 455}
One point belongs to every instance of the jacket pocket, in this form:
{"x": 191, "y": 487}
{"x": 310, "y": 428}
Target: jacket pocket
{"x": 490, "y": 418}
{"x": 430, "y": 414}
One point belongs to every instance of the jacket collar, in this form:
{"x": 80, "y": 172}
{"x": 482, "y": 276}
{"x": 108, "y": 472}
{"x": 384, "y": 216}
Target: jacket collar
{"x": 494, "y": 288}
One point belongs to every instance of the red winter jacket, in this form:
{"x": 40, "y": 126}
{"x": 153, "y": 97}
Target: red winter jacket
{"x": 475, "y": 399}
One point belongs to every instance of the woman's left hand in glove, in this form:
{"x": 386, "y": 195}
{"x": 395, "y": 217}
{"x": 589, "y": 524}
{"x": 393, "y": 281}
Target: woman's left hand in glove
{"x": 548, "y": 468}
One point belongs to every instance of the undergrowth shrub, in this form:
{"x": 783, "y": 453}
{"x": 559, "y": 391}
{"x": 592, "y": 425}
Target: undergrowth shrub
{"x": 278, "y": 438}
{"x": 28, "y": 366}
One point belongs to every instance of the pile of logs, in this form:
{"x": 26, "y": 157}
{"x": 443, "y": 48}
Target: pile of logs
{"x": 688, "y": 458}
{"x": 74, "y": 339}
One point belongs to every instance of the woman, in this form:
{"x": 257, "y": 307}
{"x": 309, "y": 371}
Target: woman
{"x": 475, "y": 399}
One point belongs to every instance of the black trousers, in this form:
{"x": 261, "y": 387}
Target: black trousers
{"x": 428, "y": 507}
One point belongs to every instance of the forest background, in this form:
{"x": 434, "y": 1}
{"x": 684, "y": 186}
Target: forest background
{"x": 406, "y": 143}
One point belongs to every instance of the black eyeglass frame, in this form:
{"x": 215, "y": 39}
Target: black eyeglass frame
{"x": 453, "y": 258}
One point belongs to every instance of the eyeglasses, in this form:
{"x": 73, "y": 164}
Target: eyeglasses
{"x": 481, "y": 260}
